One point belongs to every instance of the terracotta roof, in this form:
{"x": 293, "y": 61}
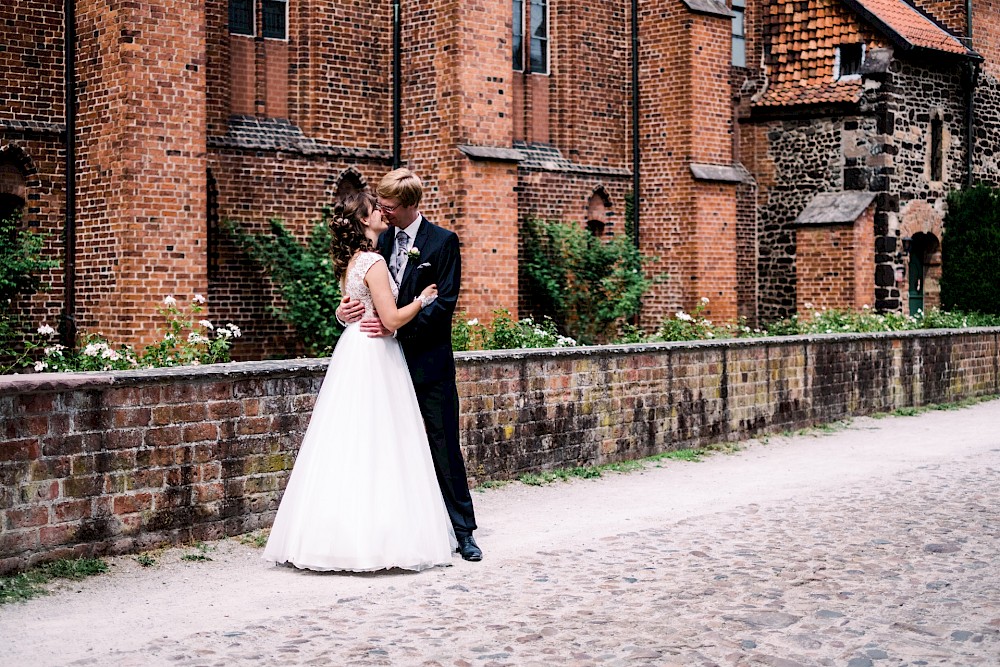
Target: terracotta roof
{"x": 803, "y": 37}
{"x": 903, "y": 22}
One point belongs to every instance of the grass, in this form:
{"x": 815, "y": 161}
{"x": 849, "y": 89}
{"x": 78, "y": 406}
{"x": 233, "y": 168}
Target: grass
{"x": 202, "y": 554}
{"x": 256, "y": 539}
{"x": 591, "y": 472}
{"x": 29, "y": 584}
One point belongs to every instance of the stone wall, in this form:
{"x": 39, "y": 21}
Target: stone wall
{"x": 114, "y": 463}
{"x": 986, "y": 147}
{"x": 807, "y": 158}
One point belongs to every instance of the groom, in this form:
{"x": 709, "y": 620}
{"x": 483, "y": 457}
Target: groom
{"x": 420, "y": 254}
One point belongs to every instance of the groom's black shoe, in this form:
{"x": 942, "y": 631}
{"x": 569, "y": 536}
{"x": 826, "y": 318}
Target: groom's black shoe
{"x": 469, "y": 549}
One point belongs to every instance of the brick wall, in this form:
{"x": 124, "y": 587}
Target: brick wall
{"x": 115, "y": 463}
{"x": 834, "y": 265}
{"x": 141, "y": 187}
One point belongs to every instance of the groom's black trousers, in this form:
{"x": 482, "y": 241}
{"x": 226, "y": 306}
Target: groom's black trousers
{"x": 439, "y": 407}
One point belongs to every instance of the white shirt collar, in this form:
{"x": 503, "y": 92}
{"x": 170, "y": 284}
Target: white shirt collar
{"x": 411, "y": 231}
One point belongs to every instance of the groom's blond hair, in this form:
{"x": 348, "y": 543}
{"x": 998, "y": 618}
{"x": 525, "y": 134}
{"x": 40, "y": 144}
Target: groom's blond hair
{"x": 402, "y": 185}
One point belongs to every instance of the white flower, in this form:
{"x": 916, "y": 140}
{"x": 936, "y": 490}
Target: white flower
{"x": 224, "y": 333}
{"x": 168, "y": 337}
{"x": 413, "y": 253}
{"x": 709, "y": 334}
{"x": 195, "y": 337}
{"x": 40, "y": 366}
{"x": 46, "y": 330}
{"x": 234, "y": 329}
{"x": 198, "y": 298}
{"x": 684, "y": 317}
{"x": 54, "y": 349}
{"x": 108, "y": 353}
{"x": 207, "y": 324}
{"x": 93, "y": 349}
{"x": 169, "y": 300}
{"x": 473, "y": 322}
{"x": 864, "y": 307}
{"x": 704, "y": 299}
{"x": 808, "y": 306}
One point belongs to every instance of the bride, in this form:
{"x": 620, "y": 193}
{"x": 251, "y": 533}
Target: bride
{"x": 363, "y": 495}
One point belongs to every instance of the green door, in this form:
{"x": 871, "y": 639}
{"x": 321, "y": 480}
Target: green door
{"x": 916, "y": 281}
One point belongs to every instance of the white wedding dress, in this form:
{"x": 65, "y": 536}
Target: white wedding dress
{"x": 363, "y": 494}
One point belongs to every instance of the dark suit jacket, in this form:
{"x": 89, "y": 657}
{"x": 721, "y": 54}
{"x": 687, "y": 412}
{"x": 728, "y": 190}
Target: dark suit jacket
{"x": 426, "y": 340}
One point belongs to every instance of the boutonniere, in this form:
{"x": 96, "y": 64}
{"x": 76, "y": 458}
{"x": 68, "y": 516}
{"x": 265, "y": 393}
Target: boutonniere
{"x": 413, "y": 253}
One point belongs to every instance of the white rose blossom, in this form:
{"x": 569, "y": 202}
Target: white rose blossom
{"x": 46, "y": 330}
{"x": 169, "y": 300}
{"x": 198, "y": 298}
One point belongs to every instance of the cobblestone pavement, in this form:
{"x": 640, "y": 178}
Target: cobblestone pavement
{"x": 883, "y": 550}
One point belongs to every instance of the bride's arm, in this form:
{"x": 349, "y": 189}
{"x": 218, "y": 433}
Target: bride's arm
{"x": 392, "y": 318}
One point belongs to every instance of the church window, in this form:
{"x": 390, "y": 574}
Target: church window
{"x": 275, "y": 19}
{"x": 241, "y": 17}
{"x": 518, "y": 37}
{"x": 539, "y": 51}
{"x": 739, "y": 34}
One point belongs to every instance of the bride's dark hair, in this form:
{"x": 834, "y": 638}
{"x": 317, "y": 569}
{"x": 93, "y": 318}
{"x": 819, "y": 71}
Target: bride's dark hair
{"x": 347, "y": 231}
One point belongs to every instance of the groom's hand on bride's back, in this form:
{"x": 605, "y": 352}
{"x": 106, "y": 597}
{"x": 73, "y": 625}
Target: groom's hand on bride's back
{"x": 350, "y": 310}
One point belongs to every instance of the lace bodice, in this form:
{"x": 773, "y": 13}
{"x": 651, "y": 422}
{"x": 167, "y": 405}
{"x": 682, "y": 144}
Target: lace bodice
{"x": 354, "y": 283}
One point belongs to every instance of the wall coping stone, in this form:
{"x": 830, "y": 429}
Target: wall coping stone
{"x": 55, "y": 382}
{"x": 710, "y": 7}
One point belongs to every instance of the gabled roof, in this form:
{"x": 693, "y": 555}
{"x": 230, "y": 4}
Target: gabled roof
{"x": 835, "y": 208}
{"x": 909, "y": 27}
{"x": 804, "y": 37}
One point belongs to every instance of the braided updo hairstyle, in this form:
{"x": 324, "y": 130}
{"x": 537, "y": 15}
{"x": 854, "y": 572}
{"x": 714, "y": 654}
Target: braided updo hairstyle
{"x": 347, "y": 231}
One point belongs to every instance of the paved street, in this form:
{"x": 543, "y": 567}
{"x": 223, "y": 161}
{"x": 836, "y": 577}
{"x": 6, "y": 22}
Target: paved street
{"x": 874, "y": 544}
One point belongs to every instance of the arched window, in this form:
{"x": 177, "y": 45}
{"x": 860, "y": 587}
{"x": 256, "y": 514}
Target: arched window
{"x": 598, "y": 211}
{"x": 350, "y": 181}
{"x": 12, "y": 191}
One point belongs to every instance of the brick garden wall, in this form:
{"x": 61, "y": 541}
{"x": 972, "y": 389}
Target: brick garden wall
{"x": 116, "y": 463}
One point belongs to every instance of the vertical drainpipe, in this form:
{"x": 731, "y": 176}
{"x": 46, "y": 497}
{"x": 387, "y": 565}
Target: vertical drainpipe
{"x": 68, "y": 327}
{"x": 397, "y": 87}
{"x": 635, "y": 121}
{"x": 970, "y": 98}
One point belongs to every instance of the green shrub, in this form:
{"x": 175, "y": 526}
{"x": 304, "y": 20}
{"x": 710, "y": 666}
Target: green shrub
{"x": 505, "y": 333}
{"x": 970, "y": 251}
{"x": 20, "y": 261}
{"x": 186, "y": 340}
{"x": 585, "y": 284}
{"x": 304, "y": 277}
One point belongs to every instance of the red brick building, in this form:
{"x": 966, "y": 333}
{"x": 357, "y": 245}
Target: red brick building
{"x": 130, "y": 129}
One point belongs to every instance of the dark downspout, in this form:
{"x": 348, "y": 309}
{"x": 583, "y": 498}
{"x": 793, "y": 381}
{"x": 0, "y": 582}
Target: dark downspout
{"x": 68, "y": 327}
{"x": 970, "y": 98}
{"x": 635, "y": 122}
{"x": 397, "y": 88}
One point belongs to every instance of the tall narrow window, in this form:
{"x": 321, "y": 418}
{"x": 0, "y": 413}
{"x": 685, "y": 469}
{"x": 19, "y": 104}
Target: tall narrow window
{"x": 540, "y": 36}
{"x": 739, "y": 34}
{"x": 937, "y": 148}
{"x": 241, "y": 17}
{"x": 518, "y": 37}
{"x": 276, "y": 19}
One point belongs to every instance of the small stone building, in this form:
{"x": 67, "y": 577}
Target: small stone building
{"x": 131, "y": 130}
{"x": 842, "y": 98}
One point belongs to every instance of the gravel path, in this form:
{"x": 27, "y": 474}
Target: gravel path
{"x": 876, "y": 544}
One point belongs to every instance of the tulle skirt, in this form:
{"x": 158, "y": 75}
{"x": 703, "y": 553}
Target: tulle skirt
{"x": 363, "y": 495}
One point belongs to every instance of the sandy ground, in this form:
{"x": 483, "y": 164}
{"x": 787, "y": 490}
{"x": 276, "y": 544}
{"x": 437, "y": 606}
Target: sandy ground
{"x": 875, "y": 544}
